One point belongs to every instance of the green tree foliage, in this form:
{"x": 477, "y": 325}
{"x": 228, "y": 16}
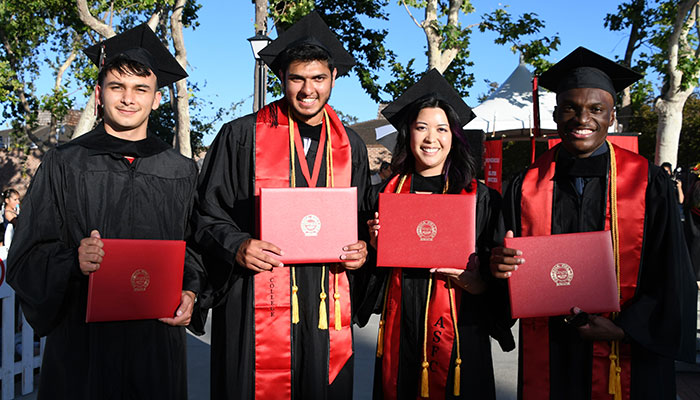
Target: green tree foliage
{"x": 367, "y": 45}
{"x": 25, "y": 26}
{"x": 522, "y": 33}
{"x": 668, "y": 31}
{"x": 345, "y": 19}
{"x": 512, "y": 32}
{"x": 40, "y": 35}
{"x": 644, "y": 120}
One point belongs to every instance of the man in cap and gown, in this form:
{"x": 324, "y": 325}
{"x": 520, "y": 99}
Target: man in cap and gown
{"x": 117, "y": 181}
{"x": 587, "y": 184}
{"x": 297, "y": 141}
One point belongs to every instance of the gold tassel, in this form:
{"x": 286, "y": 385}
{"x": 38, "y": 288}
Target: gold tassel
{"x": 380, "y": 339}
{"x": 295, "y": 305}
{"x": 458, "y": 376}
{"x": 611, "y": 376}
{"x": 336, "y": 296}
{"x": 424, "y": 392}
{"x": 453, "y": 314}
{"x": 380, "y": 335}
{"x": 322, "y": 314}
{"x": 618, "y": 384}
{"x": 295, "y": 297}
{"x": 338, "y": 324}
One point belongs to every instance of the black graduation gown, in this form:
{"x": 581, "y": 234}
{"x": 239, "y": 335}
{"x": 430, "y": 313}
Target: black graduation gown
{"x": 223, "y": 219}
{"x": 480, "y": 316}
{"x": 663, "y": 308}
{"x": 84, "y": 185}
{"x": 692, "y": 229}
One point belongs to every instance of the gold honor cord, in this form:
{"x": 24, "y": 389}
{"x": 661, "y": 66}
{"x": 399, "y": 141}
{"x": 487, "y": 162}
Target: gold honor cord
{"x": 424, "y": 389}
{"x": 614, "y": 383}
{"x": 458, "y": 360}
{"x": 322, "y": 317}
{"x": 322, "y": 314}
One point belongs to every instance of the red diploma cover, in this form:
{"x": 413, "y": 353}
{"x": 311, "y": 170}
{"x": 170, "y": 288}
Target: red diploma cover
{"x": 426, "y": 231}
{"x": 137, "y": 279}
{"x": 311, "y": 225}
{"x": 563, "y": 271}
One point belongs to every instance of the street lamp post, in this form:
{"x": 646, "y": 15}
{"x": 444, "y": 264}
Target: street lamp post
{"x": 257, "y": 43}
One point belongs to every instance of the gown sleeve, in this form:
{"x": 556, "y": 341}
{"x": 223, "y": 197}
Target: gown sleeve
{"x": 41, "y": 267}
{"x": 360, "y": 278}
{"x": 491, "y": 230}
{"x": 222, "y": 205}
{"x": 662, "y": 315}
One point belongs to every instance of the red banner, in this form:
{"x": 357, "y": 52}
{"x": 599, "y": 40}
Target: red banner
{"x": 493, "y": 163}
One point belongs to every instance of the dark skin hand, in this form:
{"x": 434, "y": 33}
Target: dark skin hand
{"x": 504, "y": 260}
{"x": 599, "y": 328}
{"x": 184, "y": 311}
{"x": 257, "y": 255}
{"x": 468, "y": 279}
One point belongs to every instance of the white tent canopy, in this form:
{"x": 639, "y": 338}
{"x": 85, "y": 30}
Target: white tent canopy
{"x": 508, "y": 110}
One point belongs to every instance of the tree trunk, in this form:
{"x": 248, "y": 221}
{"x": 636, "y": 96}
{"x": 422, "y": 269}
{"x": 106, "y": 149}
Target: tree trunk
{"x": 669, "y": 106}
{"x": 183, "y": 106}
{"x": 260, "y": 71}
{"x": 624, "y": 113}
{"x": 439, "y": 58}
{"x": 668, "y": 130}
{"x": 87, "y": 118}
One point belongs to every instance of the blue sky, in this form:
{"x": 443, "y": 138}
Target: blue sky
{"x": 221, "y": 61}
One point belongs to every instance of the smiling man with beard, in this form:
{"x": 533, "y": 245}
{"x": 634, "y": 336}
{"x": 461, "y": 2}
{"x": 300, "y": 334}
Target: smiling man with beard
{"x": 569, "y": 189}
{"x": 308, "y": 358}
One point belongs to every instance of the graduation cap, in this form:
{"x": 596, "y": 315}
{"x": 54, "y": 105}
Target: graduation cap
{"x": 139, "y": 44}
{"x": 583, "y": 68}
{"x": 431, "y": 84}
{"x": 309, "y": 30}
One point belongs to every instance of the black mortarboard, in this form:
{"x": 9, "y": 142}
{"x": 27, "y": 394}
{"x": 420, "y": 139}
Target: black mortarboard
{"x": 583, "y": 68}
{"x": 139, "y": 44}
{"x": 309, "y": 30}
{"x": 431, "y": 84}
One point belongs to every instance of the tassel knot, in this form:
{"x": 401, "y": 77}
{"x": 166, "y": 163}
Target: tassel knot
{"x": 336, "y": 306}
{"x": 424, "y": 392}
{"x": 322, "y": 313}
{"x": 458, "y": 377}
{"x": 295, "y": 305}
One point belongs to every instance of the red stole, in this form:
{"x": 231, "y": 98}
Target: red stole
{"x": 273, "y": 322}
{"x": 440, "y": 329}
{"x": 537, "y": 195}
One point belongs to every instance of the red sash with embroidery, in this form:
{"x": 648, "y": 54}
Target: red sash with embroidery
{"x": 273, "y": 322}
{"x": 441, "y": 334}
{"x": 537, "y": 195}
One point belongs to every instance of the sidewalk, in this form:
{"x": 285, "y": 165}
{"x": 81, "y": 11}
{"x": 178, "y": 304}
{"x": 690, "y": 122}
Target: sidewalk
{"x": 505, "y": 368}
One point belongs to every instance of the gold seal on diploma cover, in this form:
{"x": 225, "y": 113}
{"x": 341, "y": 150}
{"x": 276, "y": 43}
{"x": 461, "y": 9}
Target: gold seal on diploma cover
{"x": 426, "y": 230}
{"x": 310, "y": 225}
{"x": 562, "y": 274}
{"x": 140, "y": 280}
